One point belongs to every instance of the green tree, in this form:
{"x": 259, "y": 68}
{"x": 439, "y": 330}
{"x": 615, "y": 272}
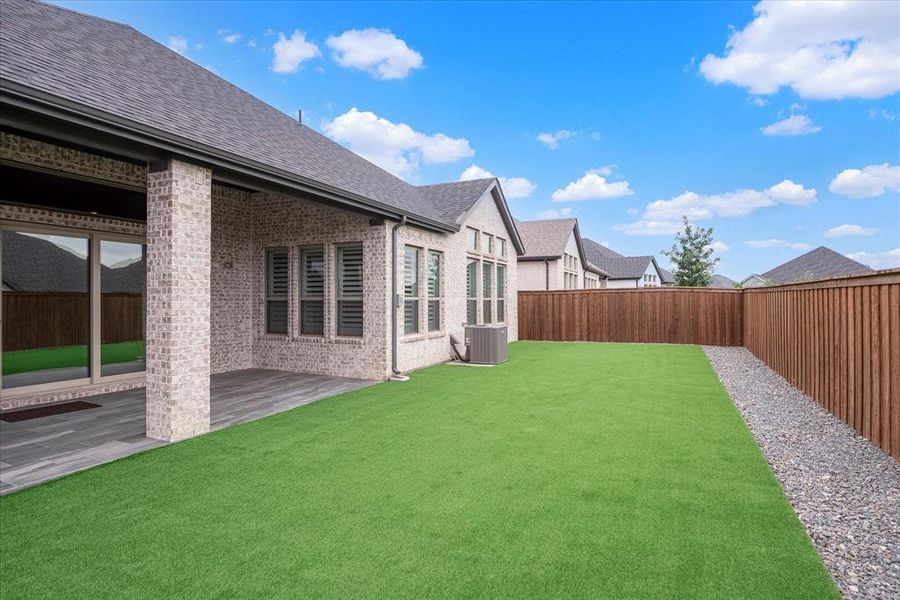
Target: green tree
{"x": 692, "y": 255}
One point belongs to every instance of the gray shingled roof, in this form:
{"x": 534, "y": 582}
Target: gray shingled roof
{"x": 666, "y": 276}
{"x": 821, "y": 263}
{"x": 116, "y": 70}
{"x": 455, "y": 199}
{"x": 34, "y": 264}
{"x": 545, "y": 239}
{"x": 625, "y": 267}
{"x": 720, "y": 281}
{"x": 596, "y": 252}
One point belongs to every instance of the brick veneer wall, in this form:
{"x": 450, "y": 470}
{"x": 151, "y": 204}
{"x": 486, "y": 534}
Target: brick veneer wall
{"x": 232, "y": 276}
{"x": 177, "y": 351}
{"x": 283, "y": 221}
{"x": 427, "y": 348}
{"x": 67, "y": 160}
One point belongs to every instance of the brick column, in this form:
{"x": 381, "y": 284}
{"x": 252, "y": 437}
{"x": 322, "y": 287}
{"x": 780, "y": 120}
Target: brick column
{"x": 178, "y": 286}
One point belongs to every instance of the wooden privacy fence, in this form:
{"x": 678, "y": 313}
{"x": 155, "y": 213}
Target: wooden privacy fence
{"x": 662, "y": 315}
{"x": 837, "y": 340}
{"x": 51, "y": 319}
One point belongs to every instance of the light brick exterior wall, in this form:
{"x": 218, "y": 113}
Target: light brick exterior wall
{"x": 74, "y": 162}
{"x": 280, "y": 221}
{"x": 533, "y": 274}
{"x": 231, "y": 285}
{"x": 178, "y": 300}
{"x": 427, "y": 348}
{"x": 214, "y": 237}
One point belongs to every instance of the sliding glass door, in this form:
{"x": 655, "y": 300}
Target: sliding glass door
{"x": 72, "y": 308}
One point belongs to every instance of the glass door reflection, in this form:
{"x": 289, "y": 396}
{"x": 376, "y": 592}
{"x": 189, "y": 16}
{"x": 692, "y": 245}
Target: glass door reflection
{"x": 122, "y": 266}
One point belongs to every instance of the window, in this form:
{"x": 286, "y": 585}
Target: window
{"x": 434, "y": 291}
{"x": 276, "y": 290}
{"x": 570, "y": 272}
{"x": 486, "y": 291}
{"x": 501, "y": 247}
{"x": 472, "y": 236}
{"x": 501, "y": 293}
{"x": 472, "y": 292}
{"x": 350, "y": 290}
{"x": 488, "y": 243}
{"x": 312, "y": 291}
{"x": 411, "y": 290}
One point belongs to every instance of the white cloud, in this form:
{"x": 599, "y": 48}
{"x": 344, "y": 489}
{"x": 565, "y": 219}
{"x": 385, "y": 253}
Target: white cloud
{"x": 179, "y": 44}
{"x": 845, "y": 230}
{"x": 552, "y": 140}
{"x": 868, "y": 182}
{"x": 593, "y": 185}
{"x": 251, "y": 43}
{"x": 823, "y": 50}
{"x": 720, "y": 247}
{"x": 663, "y": 217}
{"x": 375, "y": 51}
{"x": 793, "y": 125}
{"x": 395, "y": 147}
{"x": 777, "y": 244}
{"x": 554, "y": 213}
{"x": 513, "y": 187}
{"x": 887, "y": 115}
{"x": 788, "y": 192}
{"x": 228, "y": 36}
{"x": 759, "y": 101}
{"x": 888, "y": 259}
{"x": 290, "y": 52}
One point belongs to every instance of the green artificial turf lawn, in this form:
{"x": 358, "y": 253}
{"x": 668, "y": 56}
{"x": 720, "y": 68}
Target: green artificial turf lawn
{"x": 574, "y": 470}
{"x": 26, "y": 361}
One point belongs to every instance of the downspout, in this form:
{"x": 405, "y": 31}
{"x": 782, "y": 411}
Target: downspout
{"x": 546, "y": 274}
{"x": 396, "y": 374}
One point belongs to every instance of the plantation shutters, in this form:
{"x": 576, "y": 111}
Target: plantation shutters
{"x": 312, "y": 291}
{"x": 350, "y": 290}
{"x": 411, "y": 291}
{"x": 472, "y": 292}
{"x": 434, "y": 291}
{"x": 276, "y": 290}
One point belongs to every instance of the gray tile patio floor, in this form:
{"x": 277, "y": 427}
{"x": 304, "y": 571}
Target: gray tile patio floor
{"x": 48, "y": 447}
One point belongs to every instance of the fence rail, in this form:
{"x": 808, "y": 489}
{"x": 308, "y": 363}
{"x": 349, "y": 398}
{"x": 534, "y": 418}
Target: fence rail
{"x": 836, "y": 340}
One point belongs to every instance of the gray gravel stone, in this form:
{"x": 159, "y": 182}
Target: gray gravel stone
{"x": 845, "y": 490}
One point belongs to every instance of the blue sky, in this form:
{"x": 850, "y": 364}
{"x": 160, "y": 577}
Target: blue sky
{"x": 663, "y": 108}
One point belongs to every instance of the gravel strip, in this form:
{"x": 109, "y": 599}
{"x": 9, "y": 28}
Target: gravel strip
{"x": 845, "y": 490}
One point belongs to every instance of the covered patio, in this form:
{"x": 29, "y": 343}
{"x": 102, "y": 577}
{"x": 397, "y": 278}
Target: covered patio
{"x": 36, "y": 450}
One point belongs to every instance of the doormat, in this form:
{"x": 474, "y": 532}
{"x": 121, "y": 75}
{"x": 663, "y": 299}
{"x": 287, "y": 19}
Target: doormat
{"x": 46, "y": 411}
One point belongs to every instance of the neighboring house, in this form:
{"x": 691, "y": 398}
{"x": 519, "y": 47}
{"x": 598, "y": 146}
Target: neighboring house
{"x": 268, "y": 245}
{"x": 720, "y": 281}
{"x": 821, "y": 263}
{"x": 625, "y": 271}
{"x": 554, "y": 257}
{"x": 666, "y": 277}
